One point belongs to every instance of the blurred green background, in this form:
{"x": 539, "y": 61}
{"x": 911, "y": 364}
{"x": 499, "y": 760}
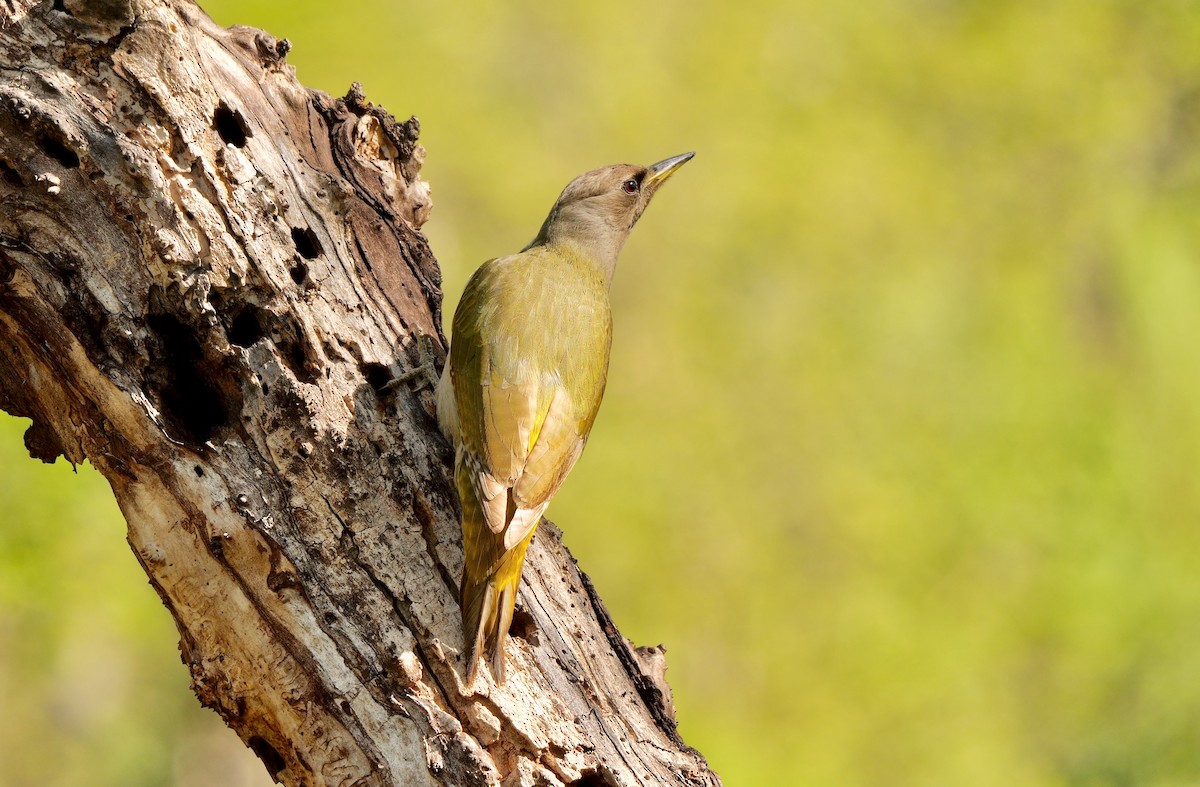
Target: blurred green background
{"x": 899, "y": 450}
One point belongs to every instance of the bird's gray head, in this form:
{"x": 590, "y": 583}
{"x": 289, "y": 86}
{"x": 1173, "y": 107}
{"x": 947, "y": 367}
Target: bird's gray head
{"x": 596, "y": 211}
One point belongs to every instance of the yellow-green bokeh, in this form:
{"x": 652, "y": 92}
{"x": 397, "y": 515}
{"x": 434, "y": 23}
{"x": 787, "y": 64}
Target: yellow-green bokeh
{"x": 899, "y": 450}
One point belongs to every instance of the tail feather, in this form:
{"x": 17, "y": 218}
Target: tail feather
{"x": 491, "y": 575}
{"x": 508, "y": 599}
{"x": 487, "y": 606}
{"x": 478, "y": 609}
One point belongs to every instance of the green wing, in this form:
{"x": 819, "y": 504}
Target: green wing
{"x": 528, "y": 360}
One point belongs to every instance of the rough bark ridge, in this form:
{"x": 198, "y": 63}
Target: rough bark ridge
{"x": 208, "y": 275}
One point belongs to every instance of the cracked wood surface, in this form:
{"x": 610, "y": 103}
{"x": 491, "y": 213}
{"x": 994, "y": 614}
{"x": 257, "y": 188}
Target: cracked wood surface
{"x": 208, "y": 276}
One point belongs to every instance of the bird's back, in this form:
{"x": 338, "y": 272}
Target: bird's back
{"x": 520, "y": 392}
{"x": 539, "y": 318}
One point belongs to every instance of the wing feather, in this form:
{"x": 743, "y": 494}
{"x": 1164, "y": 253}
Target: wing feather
{"x": 523, "y": 423}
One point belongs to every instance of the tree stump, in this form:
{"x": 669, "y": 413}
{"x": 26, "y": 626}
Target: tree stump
{"x": 211, "y": 280}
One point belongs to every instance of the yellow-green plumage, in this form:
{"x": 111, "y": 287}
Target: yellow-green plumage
{"x": 523, "y": 383}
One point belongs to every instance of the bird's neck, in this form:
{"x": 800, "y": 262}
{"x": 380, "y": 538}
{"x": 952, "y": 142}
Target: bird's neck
{"x": 594, "y": 241}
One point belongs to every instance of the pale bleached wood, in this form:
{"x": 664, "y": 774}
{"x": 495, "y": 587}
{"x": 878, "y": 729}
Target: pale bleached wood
{"x": 208, "y": 276}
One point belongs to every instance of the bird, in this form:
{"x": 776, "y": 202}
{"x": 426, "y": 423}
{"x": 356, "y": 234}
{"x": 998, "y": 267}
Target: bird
{"x": 523, "y": 380}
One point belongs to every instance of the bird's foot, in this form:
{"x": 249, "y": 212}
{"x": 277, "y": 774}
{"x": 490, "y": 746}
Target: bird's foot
{"x": 424, "y": 373}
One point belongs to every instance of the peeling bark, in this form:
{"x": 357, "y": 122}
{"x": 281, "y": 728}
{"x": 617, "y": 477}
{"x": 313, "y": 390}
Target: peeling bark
{"x": 209, "y": 274}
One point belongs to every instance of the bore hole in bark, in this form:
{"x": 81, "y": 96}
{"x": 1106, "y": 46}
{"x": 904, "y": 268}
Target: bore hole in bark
{"x": 10, "y": 175}
{"x": 297, "y": 360}
{"x": 56, "y": 149}
{"x": 191, "y": 404}
{"x": 592, "y": 779}
{"x": 268, "y": 754}
{"x": 306, "y": 243}
{"x": 299, "y": 272}
{"x": 377, "y": 375}
{"x": 232, "y": 127}
{"x": 60, "y": 7}
{"x": 294, "y": 352}
{"x": 199, "y": 471}
{"x": 248, "y": 326}
{"x": 523, "y": 626}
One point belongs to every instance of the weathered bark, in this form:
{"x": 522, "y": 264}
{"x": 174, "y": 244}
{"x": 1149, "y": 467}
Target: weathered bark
{"x": 208, "y": 276}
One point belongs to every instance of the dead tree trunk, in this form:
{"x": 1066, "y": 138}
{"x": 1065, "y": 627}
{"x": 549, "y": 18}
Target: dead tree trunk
{"x": 208, "y": 275}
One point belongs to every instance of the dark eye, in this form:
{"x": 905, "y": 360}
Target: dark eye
{"x": 630, "y": 186}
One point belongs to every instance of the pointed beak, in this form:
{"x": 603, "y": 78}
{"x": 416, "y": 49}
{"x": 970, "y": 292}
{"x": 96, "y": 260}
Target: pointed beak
{"x": 658, "y": 173}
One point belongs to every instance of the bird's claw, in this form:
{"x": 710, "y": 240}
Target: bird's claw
{"x": 423, "y": 374}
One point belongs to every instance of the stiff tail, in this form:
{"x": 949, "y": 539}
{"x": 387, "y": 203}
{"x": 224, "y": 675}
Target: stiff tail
{"x": 487, "y": 607}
